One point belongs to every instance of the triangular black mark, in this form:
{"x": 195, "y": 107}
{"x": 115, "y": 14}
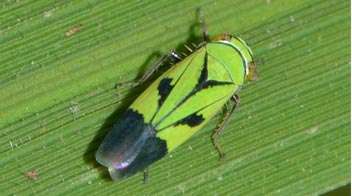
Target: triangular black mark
{"x": 203, "y": 81}
{"x": 164, "y": 89}
{"x": 191, "y": 120}
{"x": 204, "y": 74}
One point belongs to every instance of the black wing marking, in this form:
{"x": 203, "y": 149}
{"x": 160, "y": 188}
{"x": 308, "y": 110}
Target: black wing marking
{"x": 130, "y": 146}
{"x": 164, "y": 89}
{"x": 202, "y": 83}
{"x": 204, "y": 74}
{"x": 194, "y": 119}
{"x": 191, "y": 120}
{"x": 211, "y": 83}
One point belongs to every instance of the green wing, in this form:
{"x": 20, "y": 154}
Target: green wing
{"x": 185, "y": 97}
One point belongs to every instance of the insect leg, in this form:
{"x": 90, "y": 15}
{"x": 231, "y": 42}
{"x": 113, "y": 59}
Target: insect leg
{"x": 203, "y": 25}
{"x": 172, "y": 56}
{"x": 229, "y": 109}
{"x": 145, "y": 175}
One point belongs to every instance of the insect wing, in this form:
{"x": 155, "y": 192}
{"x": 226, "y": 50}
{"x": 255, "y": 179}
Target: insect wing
{"x": 130, "y": 146}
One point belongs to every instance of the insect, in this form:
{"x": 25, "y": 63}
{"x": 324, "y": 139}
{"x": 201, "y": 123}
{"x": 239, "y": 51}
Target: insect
{"x": 178, "y": 103}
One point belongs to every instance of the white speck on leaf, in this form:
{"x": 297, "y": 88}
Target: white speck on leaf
{"x": 275, "y": 44}
{"x": 48, "y": 13}
{"x": 190, "y": 148}
{"x": 181, "y": 188}
{"x": 312, "y": 130}
{"x": 62, "y": 139}
{"x": 220, "y": 178}
{"x": 74, "y": 109}
{"x": 11, "y": 145}
{"x": 292, "y": 19}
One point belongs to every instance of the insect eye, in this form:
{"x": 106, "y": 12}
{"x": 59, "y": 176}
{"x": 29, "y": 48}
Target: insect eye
{"x": 252, "y": 74}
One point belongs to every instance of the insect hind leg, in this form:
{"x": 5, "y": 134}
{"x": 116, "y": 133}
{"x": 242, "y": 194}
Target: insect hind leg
{"x": 145, "y": 175}
{"x": 229, "y": 109}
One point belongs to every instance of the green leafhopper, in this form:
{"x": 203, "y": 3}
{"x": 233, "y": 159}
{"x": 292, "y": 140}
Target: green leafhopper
{"x": 177, "y": 104}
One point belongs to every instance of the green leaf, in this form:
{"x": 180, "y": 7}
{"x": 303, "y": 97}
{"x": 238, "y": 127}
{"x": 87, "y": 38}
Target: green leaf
{"x": 60, "y": 61}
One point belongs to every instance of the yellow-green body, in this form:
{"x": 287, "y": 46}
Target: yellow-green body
{"x": 176, "y": 105}
{"x": 224, "y": 64}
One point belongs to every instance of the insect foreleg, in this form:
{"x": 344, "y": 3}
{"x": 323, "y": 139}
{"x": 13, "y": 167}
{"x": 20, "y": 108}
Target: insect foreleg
{"x": 172, "y": 56}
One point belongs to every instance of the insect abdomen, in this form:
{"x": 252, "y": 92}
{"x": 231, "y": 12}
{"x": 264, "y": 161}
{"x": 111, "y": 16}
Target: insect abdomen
{"x": 130, "y": 146}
